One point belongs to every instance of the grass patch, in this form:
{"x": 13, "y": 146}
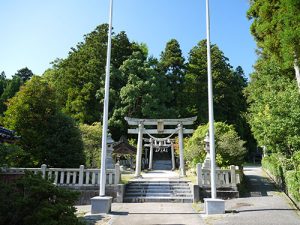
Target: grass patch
{"x": 125, "y": 178}
{"x": 191, "y": 175}
{"x": 198, "y": 207}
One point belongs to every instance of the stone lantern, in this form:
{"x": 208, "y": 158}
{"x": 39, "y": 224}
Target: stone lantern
{"x": 206, "y": 164}
{"x": 109, "y": 160}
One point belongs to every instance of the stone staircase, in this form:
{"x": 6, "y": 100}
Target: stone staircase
{"x": 162, "y": 164}
{"x": 158, "y": 191}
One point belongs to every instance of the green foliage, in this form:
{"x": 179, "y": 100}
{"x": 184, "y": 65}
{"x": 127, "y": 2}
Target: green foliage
{"x": 91, "y": 137}
{"x": 24, "y": 74}
{"x": 229, "y": 101}
{"x": 230, "y": 148}
{"x": 274, "y": 112}
{"x": 276, "y": 29}
{"x": 173, "y": 66}
{"x": 11, "y": 155}
{"x": 33, "y": 200}
{"x": 47, "y": 135}
{"x": 79, "y": 78}
{"x": 292, "y": 180}
{"x": 273, "y": 97}
{"x": 10, "y": 88}
{"x": 273, "y": 164}
{"x": 285, "y": 172}
{"x": 228, "y": 85}
{"x": 146, "y": 94}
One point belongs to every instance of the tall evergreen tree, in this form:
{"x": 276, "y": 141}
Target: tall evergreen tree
{"x": 11, "y": 87}
{"x": 24, "y": 74}
{"x": 173, "y": 65}
{"x": 229, "y": 102}
{"x": 80, "y": 77}
{"x": 277, "y": 32}
{"x": 146, "y": 94}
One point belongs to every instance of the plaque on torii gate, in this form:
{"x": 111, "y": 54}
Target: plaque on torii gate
{"x": 159, "y": 123}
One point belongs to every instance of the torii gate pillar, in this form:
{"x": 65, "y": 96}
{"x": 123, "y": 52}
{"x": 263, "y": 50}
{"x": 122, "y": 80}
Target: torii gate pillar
{"x": 139, "y": 151}
{"x": 173, "y": 156}
{"x": 151, "y": 154}
{"x": 181, "y": 159}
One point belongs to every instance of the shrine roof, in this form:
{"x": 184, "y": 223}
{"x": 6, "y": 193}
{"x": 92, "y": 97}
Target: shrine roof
{"x": 123, "y": 147}
{"x": 7, "y": 135}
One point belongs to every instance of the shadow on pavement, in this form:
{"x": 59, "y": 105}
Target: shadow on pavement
{"x": 258, "y": 186}
{"x": 119, "y": 213}
{"x": 259, "y": 210}
{"x": 165, "y": 213}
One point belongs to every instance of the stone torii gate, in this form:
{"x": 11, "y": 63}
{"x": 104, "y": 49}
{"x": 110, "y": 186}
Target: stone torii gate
{"x": 159, "y": 123}
{"x": 158, "y": 143}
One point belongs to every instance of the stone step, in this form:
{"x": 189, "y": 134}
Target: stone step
{"x": 158, "y": 199}
{"x": 158, "y": 186}
{"x": 158, "y": 194}
{"x": 158, "y": 183}
{"x": 158, "y": 190}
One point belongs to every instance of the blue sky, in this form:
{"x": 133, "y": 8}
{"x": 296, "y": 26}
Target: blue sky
{"x": 35, "y": 32}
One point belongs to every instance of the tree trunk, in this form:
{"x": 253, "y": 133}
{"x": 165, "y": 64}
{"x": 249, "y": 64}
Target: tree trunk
{"x": 297, "y": 73}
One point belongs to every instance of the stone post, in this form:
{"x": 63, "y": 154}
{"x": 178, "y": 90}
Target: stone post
{"x": 43, "y": 169}
{"x": 139, "y": 151}
{"x": 117, "y": 174}
{"x": 180, "y": 137}
{"x": 151, "y": 154}
{"x": 81, "y": 170}
{"x": 233, "y": 176}
{"x": 199, "y": 174}
{"x": 173, "y": 156}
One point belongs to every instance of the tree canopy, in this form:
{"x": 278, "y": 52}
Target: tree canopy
{"x": 276, "y": 30}
{"x": 47, "y": 135}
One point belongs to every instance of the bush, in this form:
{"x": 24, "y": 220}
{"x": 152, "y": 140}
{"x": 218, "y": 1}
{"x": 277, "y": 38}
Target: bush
{"x": 12, "y": 155}
{"x": 230, "y": 148}
{"x": 47, "y": 135}
{"x": 91, "y": 137}
{"x": 292, "y": 180}
{"x": 33, "y": 200}
{"x": 272, "y": 163}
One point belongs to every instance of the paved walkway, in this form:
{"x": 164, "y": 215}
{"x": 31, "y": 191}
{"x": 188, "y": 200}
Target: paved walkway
{"x": 263, "y": 205}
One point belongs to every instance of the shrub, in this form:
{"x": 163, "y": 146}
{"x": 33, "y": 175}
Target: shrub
{"x": 47, "y": 135}
{"x": 12, "y": 155}
{"x": 273, "y": 164}
{"x": 230, "y": 148}
{"x": 91, "y": 137}
{"x": 292, "y": 180}
{"x": 32, "y": 200}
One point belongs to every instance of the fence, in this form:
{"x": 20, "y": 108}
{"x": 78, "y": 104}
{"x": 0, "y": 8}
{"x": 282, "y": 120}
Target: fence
{"x": 225, "y": 178}
{"x": 72, "y": 176}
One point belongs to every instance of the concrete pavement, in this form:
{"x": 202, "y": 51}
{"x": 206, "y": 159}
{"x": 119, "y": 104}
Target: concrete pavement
{"x": 263, "y": 205}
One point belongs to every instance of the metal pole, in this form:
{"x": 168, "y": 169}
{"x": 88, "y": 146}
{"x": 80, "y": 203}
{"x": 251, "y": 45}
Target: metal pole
{"x": 210, "y": 109}
{"x": 105, "y": 109}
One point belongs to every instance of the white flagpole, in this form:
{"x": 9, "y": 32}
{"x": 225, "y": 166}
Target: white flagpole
{"x": 210, "y": 109}
{"x": 105, "y": 109}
